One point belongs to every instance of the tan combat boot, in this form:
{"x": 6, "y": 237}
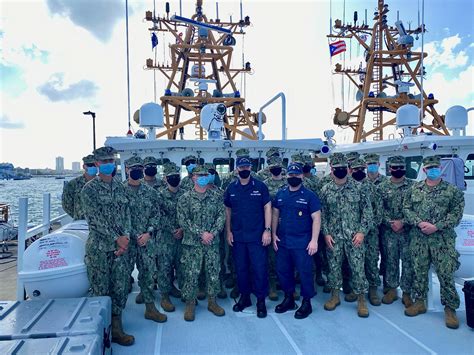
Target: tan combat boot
{"x": 153, "y": 314}
{"x": 213, "y": 307}
{"x": 417, "y": 308}
{"x": 139, "y": 299}
{"x": 189, "y": 310}
{"x": 362, "y": 310}
{"x": 390, "y": 297}
{"x": 118, "y": 335}
{"x": 373, "y": 297}
{"x": 166, "y": 303}
{"x": 273, "y": 295}
{"x": 201, "y": 294}
{"x": 451, "y": 318}
{"x": 350, "y": 297}
{"x": 406, "y": 300}
{"x": 333, "y": 302}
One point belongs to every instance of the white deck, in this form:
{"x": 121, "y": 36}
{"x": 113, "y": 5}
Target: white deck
{"x": 386, "y": 331}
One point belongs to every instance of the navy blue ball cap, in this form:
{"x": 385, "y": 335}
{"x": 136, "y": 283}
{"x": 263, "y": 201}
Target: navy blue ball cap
{"x": 243, "y": 161}
{"x": 294, "y": 168}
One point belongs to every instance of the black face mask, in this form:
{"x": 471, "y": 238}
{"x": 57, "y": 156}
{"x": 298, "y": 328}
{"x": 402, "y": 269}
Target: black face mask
{"x": 276, "y": 170}
{"x": 136, "y": 174}
{"x": 150, "y": 171}
{"x": 397, "y": 174}
{"x": 359, "y": 175}
{"x": 114, "y": 172}
{"x": 306, "y": 168}
{"x": 294, "y": 181}
{"x": 173, "y": 180}
{"x": 244, "y": 174}
{"x": 340, "y": 173}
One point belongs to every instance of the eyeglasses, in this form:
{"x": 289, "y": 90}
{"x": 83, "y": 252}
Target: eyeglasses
{"x": 89, "y": 165}
{"x": 358, "y": 169}
{"x": 397, "y": 168}
{"x": 431, "y": 167}
{"x": 190, "y": 162}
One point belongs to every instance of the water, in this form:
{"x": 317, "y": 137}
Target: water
{"x": 12, "y": 190}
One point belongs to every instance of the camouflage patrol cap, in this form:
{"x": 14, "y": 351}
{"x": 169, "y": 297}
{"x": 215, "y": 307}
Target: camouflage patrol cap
{"x": 133, "y": 162}
{"x": 358, "y": 163}
{"x": 150, "y": 161}
{"x": 307, "y": 159}
{"x": 297, "y": 158}
{"x": 275, "y": 161}
{"x": 273, "y": 152}
{"x": 371, "y": 158}
{"x": 170, "y": 169}
{"x": 200, "y": 170}
{"x": 104, "y": 153}
{"x": 88, "y": 159}
{"x": 242, "y": 152}
{"x": 209, "y": 166}
{"x": 352, "y": 156}
{"x": 396, "y": 160}
{"x": 433, "y": 160}
{"x": 189, "y": 158}
{"x": 338, "y": 160}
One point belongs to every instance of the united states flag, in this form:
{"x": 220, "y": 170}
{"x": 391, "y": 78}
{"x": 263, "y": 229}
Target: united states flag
{"x": 337, "y": 47}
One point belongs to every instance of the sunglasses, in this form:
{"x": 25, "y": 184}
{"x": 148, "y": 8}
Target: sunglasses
{"x": 190, "y": 162}
{"x": 359, "y": 169}
{"x": 431, "y": 167}
{"x": 397, "y": 168}
{"x": 90, "y": 165}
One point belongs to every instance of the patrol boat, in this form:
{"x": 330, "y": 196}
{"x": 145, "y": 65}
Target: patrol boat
{"x": 201, "y": 55}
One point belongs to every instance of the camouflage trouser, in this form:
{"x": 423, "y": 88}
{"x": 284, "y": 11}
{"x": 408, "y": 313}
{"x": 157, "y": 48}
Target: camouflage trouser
{"x": 383, "y": 255}
{"x": 437, "y": 249}
{"x": 168, "y": 251}
{"x": 202, "y": 274}
{"x": 192, "y": 260}
{"x": 397, "y": 247}
{"x": 144, "y": 257}
{"x": 371, "y": 242}
{"x": 355, "y": 257}
{"x": 108, "y": 276}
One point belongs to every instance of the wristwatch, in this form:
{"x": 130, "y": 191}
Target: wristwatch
{"x": 268, "y": 229}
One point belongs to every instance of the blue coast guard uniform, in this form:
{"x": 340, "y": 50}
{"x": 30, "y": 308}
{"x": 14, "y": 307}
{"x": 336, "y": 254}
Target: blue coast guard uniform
{"x": 295, "y": 231}
{"x": 248, "y": 224}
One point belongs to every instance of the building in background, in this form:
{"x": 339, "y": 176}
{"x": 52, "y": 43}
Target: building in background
{"x": 76, "y": 166}
{"x": 59, "y": 164}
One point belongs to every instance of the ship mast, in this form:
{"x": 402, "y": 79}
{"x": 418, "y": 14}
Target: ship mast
{"x": 201, "y": 73}
{"x": 389, "y": 64}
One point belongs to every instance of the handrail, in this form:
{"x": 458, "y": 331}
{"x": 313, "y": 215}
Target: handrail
{"x": 283, "y": 115}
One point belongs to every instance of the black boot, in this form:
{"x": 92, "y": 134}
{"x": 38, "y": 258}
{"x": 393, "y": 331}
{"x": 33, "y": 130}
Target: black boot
{"x": 305, "y": 309}
{"x": 261, "y": 308}
{"x": 287, "y": 304}
{"x": 243, "y": 303}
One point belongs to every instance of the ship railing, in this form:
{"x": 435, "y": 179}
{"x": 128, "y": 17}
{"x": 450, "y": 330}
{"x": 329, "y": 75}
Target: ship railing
{"x": 283, "y": 115}
{"x": 24, "y": 234}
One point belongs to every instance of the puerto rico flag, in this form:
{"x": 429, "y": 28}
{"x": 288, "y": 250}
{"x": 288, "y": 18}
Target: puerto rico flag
{"x": 337, "y": 48}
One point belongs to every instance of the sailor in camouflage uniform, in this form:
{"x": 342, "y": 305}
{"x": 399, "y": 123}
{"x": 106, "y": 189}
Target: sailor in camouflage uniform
{"x": 434, "y": 207}
{"x": 265, "y": 173}
{"x": 202, "y": 217}
{"x": 170, "y": 237}
{"x": 71, "y": 198}
{"x": 274, "y": 184}
{"x": 190, "y": 162}
{"x": 145, "y": 220}
{"x": 107, "y": 212}
{"x": 151, "y": 163}
{"x": 371, "y": 240}
{"x": 346, "y": 220}
{"x": 395, "y": 232}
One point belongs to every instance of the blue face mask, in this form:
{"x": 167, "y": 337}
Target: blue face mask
{"x": 313, "y": 171}
{"x": 91, "y": 170}
{"x": 211, "y": 178}
{"x": 190, "y": 168}
{"x": 433, "y": 173}
{"x": 107, "y": 169}
{"x": 202, "y": 181}
{"x": 372, "y": 168}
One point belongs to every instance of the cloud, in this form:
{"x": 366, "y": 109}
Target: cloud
{"x": 444, "y": 54}
{"x": 12, "y": 80}
{"x": 96, "y": 16}
{"x": 54, "y": 89}
{"x": 6, "y": 123}
{"x": 35, "y": 53}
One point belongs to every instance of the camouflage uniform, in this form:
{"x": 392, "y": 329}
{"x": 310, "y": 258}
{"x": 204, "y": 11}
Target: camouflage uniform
{"x": 396, "y": 245}
{"x": 71, "y": 198}
{"x": 345, "y": 212}
{"x": 187, "y": 182}
{"x": 154, "y": 182}
{"x": 441, "y": 205}
{"x": 168, "y": 247}
{"x": 198, "y": 213}
{"x": 144, "y": 206}
{"x": 371, "y": 240}
{"x": 108, "y": 215}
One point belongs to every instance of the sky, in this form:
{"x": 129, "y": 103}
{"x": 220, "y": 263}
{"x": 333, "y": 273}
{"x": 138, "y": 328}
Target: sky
{"x": 62, "y": 57}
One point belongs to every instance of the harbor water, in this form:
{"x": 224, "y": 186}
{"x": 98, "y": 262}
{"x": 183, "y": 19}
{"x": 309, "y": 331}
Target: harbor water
{"x": 12, "y": 190}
